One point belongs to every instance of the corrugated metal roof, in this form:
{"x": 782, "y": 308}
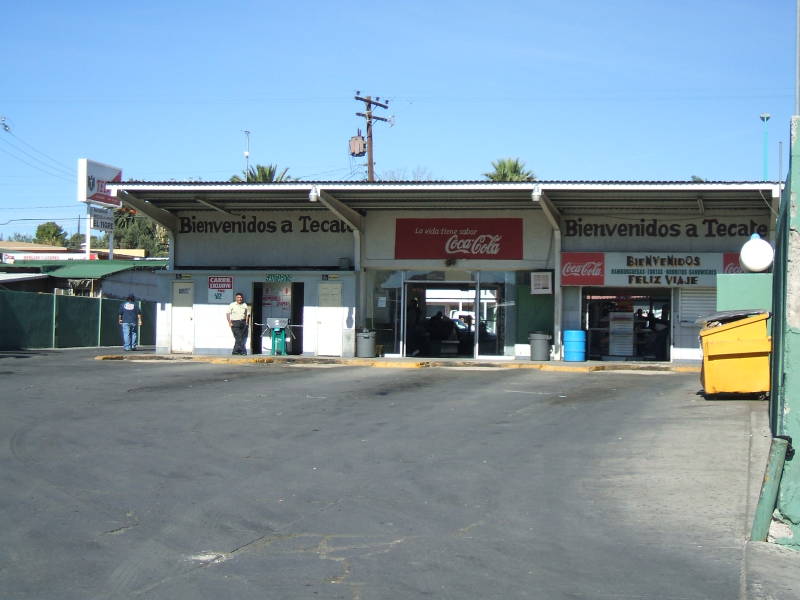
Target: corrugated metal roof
{"x": 479, "y": 182}
{"x": 97, "y": 269}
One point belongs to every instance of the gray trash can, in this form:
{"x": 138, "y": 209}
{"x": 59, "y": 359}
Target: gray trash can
{"x": 365, "y": 344}
{"x": 540, "y": 345}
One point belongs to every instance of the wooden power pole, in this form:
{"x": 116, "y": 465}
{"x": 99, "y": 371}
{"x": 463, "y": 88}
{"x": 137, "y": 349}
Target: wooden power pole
{"x": 367, "y": 114}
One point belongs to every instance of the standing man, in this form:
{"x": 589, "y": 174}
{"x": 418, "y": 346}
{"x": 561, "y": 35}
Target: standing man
{"x": 130, "y": 317}
{"x": 239, "y": 320}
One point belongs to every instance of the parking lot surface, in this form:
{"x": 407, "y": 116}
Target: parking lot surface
{"x": 175, "y": 480}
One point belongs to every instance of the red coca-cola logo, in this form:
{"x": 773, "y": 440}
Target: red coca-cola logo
{"x": 477, "y": 246}
{"x": 457, "y": 239}
{"x": 587, "y": 269}
{"x": 730, "y": 263}
{"x": 582, "y": 268}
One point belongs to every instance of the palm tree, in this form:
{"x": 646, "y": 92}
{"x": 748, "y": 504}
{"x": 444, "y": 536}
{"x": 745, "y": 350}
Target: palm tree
{"x": 262, "y": 174}
{"x": 510, "y": 169}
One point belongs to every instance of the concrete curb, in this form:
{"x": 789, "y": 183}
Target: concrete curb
{"x": 391, "y": 363}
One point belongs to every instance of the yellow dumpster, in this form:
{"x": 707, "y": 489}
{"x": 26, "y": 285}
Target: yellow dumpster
{"x": 736, "y": 351}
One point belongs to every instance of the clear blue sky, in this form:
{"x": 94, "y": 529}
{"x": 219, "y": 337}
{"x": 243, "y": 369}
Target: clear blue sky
{"x": 625, "y": 89}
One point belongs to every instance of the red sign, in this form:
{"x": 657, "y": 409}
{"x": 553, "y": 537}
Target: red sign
{"x": 476, "y": 239}
{"x": 220, "y": 283}
{"x": 583, "y": 268}
{"x": 730, "y": 263}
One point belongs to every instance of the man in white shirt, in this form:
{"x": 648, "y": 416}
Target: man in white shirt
{"x": 238, "y": 316}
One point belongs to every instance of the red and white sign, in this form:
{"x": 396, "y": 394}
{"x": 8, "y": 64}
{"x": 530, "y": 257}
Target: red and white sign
{"x": 220, "y": 289}
{"x": 583, "y": 268}
{"x": 475, "y": 239}
{"x": 220, "y": 283}
{"x": 731, "y": 264}
{"x": 10, "y": 257}
{"x": 92, "y": 180}
{"x": 647, "y": 269}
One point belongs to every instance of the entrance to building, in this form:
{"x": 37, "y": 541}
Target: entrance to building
{"x": 628, "y": 323}
{"x": 284, "y": 300}
{"x": 182, "y": 327}
{"x": 454, "y": 319}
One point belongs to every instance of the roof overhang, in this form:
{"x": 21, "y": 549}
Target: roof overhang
{"x": 162, "y": 200}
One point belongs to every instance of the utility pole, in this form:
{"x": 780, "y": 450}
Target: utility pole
{"x": 367, "y": 114}
{"x": 246, "y": 154}
{"x": 765, "y": 171}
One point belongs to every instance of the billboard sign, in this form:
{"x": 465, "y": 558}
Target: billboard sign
{"x": 477, "y": 239}
{"x": 646, "y": 269}
{"x": 92, "y": 180}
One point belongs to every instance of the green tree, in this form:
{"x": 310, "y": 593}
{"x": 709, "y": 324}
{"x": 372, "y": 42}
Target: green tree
{"x": 134, "y": 231}
{"x": 510, "y": 169}
{"x": 18, "y": 237}
{"x": 697, "y": 179}
{"x": 50, "y": 233}
{"x": 262, "y": 174}
{"x": 76, "y": 241}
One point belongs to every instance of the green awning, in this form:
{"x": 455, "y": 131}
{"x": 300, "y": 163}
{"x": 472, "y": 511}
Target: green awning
{"x": 97, "y": 269}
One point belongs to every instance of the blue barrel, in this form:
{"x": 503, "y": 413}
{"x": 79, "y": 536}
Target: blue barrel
{"x": 574, "y": 345}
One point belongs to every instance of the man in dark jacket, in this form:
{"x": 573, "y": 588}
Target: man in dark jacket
{"x": 130, "y": 318}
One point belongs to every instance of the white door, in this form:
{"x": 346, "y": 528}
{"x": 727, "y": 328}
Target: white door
{"x": 329, "y": 320}
{"x": 693, "y": 303}
{"x": 182, "y": 317}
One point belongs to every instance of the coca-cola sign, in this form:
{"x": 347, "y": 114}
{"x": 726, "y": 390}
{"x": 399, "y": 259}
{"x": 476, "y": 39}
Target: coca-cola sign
{"x": 647, "y": 269}
{"x": 582, "y": 268}
{"x": 475, "y": 239}
{"x": 730, "y": 263}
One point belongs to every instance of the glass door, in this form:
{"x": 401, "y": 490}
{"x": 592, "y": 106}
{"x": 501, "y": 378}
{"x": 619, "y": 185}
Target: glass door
{"x": 440, "y": 318}
{"x": 496, "y": 313}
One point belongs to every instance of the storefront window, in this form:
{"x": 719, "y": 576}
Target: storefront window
{"x": 497, "y": 313}
{"x": 384, "y": 291}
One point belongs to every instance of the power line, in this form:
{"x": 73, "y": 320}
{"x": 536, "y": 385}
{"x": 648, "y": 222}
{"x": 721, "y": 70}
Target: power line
{"x": 37, "y": 167}
{"x": 55, "y": 169}
{"x": 35, "y": 207}
{"x": 58, "y": 165}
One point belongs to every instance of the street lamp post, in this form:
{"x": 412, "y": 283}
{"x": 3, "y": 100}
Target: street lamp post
{"x": 764, "y": 118}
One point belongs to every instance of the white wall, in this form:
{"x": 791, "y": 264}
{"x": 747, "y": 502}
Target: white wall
{"x": 210, "y": 329}
{"x": 300, "y": 238}
{"x": 379, "y": 240}
{"x": 661, "y": 232}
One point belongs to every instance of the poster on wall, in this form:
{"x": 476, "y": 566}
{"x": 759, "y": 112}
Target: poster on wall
{"x": 646, "y": 269}
{"x": 220, "y": 289}
{"x": 477, "y": 239}
{"x": 276, "y": 302}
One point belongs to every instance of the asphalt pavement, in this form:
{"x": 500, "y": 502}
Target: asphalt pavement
{"x": 143, "y": 478}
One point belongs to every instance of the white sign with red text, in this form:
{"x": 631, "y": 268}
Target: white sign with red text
{"x": 93, "y": 178}
{"x": 646, "y": 269}
{"x": 220, "y": 289}
{"x": 11, "y": 257}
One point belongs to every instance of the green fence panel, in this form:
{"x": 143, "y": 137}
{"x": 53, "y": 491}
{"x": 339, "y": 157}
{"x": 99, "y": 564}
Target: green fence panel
{"x": 26, "y": 320}
{"x": 110, "y": 333}
{"x": 76, "y": 322}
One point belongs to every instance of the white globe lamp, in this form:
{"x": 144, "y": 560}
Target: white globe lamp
{"x": 756, "y": 254}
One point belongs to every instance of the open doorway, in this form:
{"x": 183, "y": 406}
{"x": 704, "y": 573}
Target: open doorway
{"x": 628, "y": 323}
{"x": 456, "y": 319}
{"x": 283, "y": 300}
